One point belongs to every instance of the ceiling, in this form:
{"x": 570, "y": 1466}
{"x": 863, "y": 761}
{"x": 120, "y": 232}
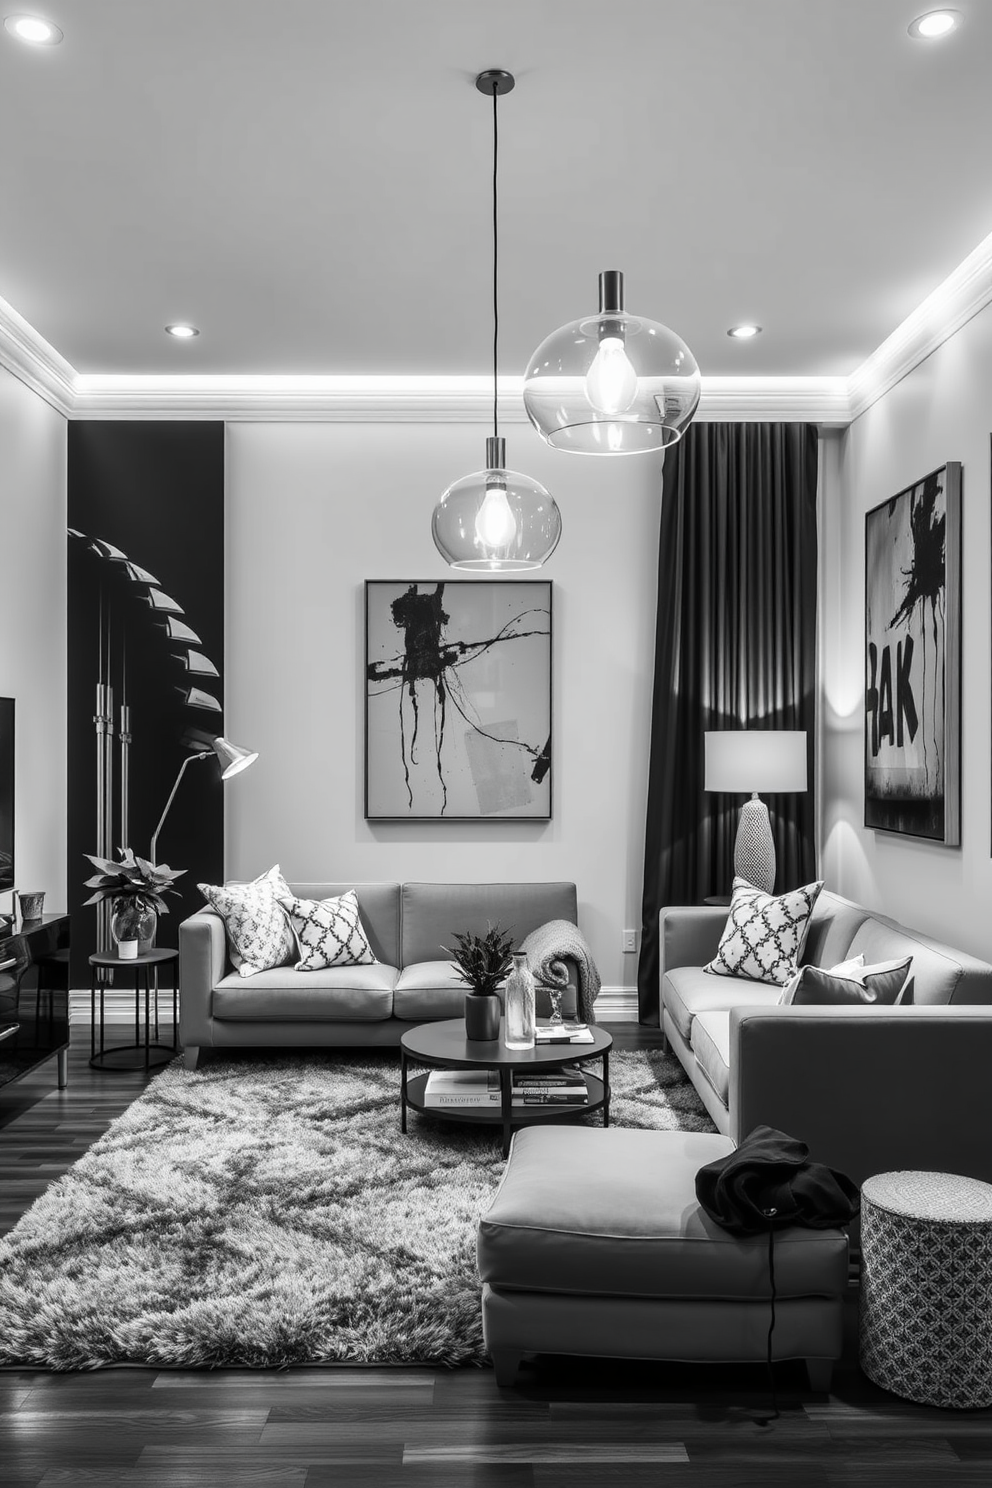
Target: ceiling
{"x": 308, "y": 181}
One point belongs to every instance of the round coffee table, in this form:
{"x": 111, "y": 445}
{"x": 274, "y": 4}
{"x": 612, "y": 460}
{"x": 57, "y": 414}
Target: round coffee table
{"x": 444, "y": 1046}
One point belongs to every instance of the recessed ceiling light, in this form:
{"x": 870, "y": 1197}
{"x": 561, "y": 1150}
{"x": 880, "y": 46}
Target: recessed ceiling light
{"x": 744, "y": 332}
{"x": 33, "y": 29}
{"x": 934, "y": 24}
{"x": 182, "y": 332}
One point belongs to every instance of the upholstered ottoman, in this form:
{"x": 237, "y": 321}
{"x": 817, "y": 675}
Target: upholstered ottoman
{"x": 595, "y": 1244}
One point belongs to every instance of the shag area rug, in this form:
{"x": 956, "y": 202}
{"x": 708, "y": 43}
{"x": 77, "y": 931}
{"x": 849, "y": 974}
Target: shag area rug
{"x": 265, "y": 1212}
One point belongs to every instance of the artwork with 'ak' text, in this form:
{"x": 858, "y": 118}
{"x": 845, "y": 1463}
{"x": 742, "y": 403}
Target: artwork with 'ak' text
{"x": 913, "y": 660}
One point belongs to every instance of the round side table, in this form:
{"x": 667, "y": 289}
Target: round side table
{"x": 926, "y": 1287}
{"x": 143, "y": 1054}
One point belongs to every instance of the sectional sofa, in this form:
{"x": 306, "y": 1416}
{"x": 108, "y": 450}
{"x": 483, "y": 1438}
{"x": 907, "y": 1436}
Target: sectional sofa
{"x": 870, "y": 1089}
{"x": 412, "y": 981}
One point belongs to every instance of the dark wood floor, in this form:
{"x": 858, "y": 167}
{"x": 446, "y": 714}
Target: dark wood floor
{"x": 568, "y": 1425}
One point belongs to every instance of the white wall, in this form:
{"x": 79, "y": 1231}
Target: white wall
{"x": 33, "y": 632}
{"x": 315, "y": 509}
{"x": 941, "y": 411}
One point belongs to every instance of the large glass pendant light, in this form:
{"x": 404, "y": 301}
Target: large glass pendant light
{"x": 613, "y": 383}
{"x": 496, "y": 520}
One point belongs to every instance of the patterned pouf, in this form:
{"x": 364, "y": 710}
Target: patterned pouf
{"x": 926, "y": 1287}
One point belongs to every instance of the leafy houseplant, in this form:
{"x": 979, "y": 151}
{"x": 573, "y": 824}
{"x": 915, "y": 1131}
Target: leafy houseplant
{"x": 136, "y": 890}
{"x": 482, "y": 962}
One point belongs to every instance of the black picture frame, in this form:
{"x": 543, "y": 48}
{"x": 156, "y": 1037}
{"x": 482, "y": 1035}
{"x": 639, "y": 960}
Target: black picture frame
{"x": 458, "y": 700}
{"x": 913, "y": 660}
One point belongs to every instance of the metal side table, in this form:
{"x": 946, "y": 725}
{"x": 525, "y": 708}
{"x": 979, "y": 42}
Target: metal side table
{"x": 144, "y": 1053}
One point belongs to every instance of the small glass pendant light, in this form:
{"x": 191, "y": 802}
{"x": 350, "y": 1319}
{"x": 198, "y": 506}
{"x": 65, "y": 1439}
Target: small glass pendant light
{"x": 613, "y": 383}
{"x": 496, "y": 520}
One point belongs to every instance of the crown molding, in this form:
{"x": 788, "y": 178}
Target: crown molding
{"x": 34, "y": 362}
{"x": 818, "y": 400}
{"x": 945, "y": 310}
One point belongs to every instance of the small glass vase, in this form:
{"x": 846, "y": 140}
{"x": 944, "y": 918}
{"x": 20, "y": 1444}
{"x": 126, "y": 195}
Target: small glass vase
{"x": 520, "y": 1005}
{"x": 133, "y": 927}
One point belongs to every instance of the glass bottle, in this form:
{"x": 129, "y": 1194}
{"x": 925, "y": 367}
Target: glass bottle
{"x": 520, "y": 1004}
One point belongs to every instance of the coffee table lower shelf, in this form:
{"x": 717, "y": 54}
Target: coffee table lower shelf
{"x": 492, "y": 1115}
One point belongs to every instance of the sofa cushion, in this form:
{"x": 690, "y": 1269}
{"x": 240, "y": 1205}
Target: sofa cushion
{"x": 880, "y": 985}
{"x": 379, "y": 904}
{"x": 433, "y": 912}
{"x": 428, "y": 990}
{"x": 329, "y": 932}
{"x": 934, "y": 973}
{"x": 765, "y": 934}
{"x": 588, "y": 1212}
{"x": 258, "y": 932}
{"x": 688, "y": 990}
{"x": 711, "y": 1046}
{"x": 361, "y": 994}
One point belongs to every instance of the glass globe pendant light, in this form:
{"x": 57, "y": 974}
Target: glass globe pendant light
{"x": 496, "y": 520}
{"x": 613, "y": 383}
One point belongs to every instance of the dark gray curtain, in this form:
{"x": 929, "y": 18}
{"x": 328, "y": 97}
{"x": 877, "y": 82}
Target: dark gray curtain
{"x": 735, "y": 648}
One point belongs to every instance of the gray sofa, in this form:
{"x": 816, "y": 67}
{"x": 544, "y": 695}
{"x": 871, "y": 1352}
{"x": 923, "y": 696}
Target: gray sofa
{"x": 412, "y": 982}
{"x": 870, "y": 1089}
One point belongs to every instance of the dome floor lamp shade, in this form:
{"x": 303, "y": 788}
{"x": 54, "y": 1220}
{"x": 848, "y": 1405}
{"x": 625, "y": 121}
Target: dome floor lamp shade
{"x": 746, "y": 761}
{"x": 612, "y": 383}
{"x": 232, "y": 760}
{"x": 496, "y": 520}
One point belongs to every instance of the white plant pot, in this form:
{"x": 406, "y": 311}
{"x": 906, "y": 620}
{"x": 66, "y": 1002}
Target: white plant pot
{"x": 127, "y": 950}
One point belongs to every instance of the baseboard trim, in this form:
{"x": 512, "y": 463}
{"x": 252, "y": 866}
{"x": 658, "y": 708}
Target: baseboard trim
{"x": 616, "y": 1005}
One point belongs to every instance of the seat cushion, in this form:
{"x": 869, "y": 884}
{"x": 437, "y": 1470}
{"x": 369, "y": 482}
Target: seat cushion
{"x": 688, "y": 990}
{"x": 429, "y": 990}
{"x": 361, "y": 994}
{"x": 711, "y": 1046}
{"x": 588, "y": 1212}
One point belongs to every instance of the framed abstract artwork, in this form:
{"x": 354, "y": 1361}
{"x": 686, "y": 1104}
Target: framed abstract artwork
{"x": 458, "y": 700}
{"x": 913, "y": 660}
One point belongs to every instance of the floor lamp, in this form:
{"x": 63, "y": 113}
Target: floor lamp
{"x": 231, "y": 758}
{"x": 739, "y": 761}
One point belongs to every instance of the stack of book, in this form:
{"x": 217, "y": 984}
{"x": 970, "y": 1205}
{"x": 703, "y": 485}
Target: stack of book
{"x": 563, "y": 1033}
{"x": 559, "y": 1087}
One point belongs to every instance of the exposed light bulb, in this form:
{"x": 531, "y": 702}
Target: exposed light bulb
{"x": 611, "y": 382}
{"x": 495, "y": 525}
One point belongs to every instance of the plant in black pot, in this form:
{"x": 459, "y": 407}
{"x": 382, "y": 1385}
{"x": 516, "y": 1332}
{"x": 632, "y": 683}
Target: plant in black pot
{"x": 482, "y": 962}
{"x": 135, "y": 888}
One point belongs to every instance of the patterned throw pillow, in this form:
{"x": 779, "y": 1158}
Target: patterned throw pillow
{"x": 258, "y": 933}
{"x": 764, "y": 935}
{"x": 868, "y": 986}
{"x": 329, "y": 932}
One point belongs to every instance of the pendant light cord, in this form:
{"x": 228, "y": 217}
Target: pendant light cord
{"x": 495, "y": 264}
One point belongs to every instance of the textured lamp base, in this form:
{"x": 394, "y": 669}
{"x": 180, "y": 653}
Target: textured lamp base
{"x": 754, "y": 850}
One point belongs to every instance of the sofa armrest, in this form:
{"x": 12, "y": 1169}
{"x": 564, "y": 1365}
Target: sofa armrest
{"x": 689, "y": 934}
{"x": 868, "y": 1089}
{"x": 202, "y": 963}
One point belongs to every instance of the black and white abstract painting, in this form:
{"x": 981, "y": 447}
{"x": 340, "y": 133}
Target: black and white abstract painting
{"x": 458, "y": 700}
{"x": 913, "y": 660}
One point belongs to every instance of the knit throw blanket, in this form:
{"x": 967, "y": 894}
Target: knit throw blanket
{"x": 546, "y": 948}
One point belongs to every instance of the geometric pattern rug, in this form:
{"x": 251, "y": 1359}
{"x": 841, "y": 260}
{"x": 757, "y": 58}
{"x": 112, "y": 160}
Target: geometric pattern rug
{"x": 267, "y": 1211}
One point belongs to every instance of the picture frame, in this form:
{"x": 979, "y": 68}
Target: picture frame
{"x": 458, "y": 676}
{"x": 913, "y": 660}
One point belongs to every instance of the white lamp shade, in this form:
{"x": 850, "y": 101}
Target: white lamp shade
{"x": 748, "y": 760}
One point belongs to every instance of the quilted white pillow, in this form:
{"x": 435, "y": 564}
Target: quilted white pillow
{"x": 329, "y": 932}
{"x": 764, "y": 935}
{"x": 258, "y": 932}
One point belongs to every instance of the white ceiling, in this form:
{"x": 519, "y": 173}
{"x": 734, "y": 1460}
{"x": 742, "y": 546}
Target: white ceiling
{"x": 309, "y": 180}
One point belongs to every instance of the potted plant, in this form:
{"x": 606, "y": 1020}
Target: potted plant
{"x": 482, "y": 962}
{"x": 135, "y": 889}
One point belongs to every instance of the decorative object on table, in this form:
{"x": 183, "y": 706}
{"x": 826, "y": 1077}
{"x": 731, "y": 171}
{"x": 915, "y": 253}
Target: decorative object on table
{"x": 259, "y": 935}
{"x": 496, "y": 520}
{"x": 753, "y": 760}
{"x": 520, "y": 1004}
{"x": 926, "y": 1293}
{"x": 913, "y": 660}
{"x": 392, "y": 1279}
{"x": 482, "y": 962}
{"x": 232, "y": 760}
{"x": 458, "y": 700}
{"x": 30, "y": 904}
{"x": 545, "y": 949}
{"x": 329, "y": 932}
{"x": 147, "y": 1053}
{"x": 135, "y": 890}
{"x": 612, "y": 383}
{"x": 764, "y": 936}
{"x": 146, "y": 641}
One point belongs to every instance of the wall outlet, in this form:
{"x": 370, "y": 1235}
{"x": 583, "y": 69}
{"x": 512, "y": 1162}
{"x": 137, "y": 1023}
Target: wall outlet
{"x": 629, "y": 941}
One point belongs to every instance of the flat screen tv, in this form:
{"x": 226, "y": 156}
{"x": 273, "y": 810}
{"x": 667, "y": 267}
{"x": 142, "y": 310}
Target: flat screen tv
{"x": 6, "y": 794}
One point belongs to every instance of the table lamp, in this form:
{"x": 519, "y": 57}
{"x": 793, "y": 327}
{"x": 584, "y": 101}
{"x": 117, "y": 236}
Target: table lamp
{"x": 739, "y": 761}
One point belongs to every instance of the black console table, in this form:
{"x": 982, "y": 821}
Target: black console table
{"x": 34, "y": 996}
